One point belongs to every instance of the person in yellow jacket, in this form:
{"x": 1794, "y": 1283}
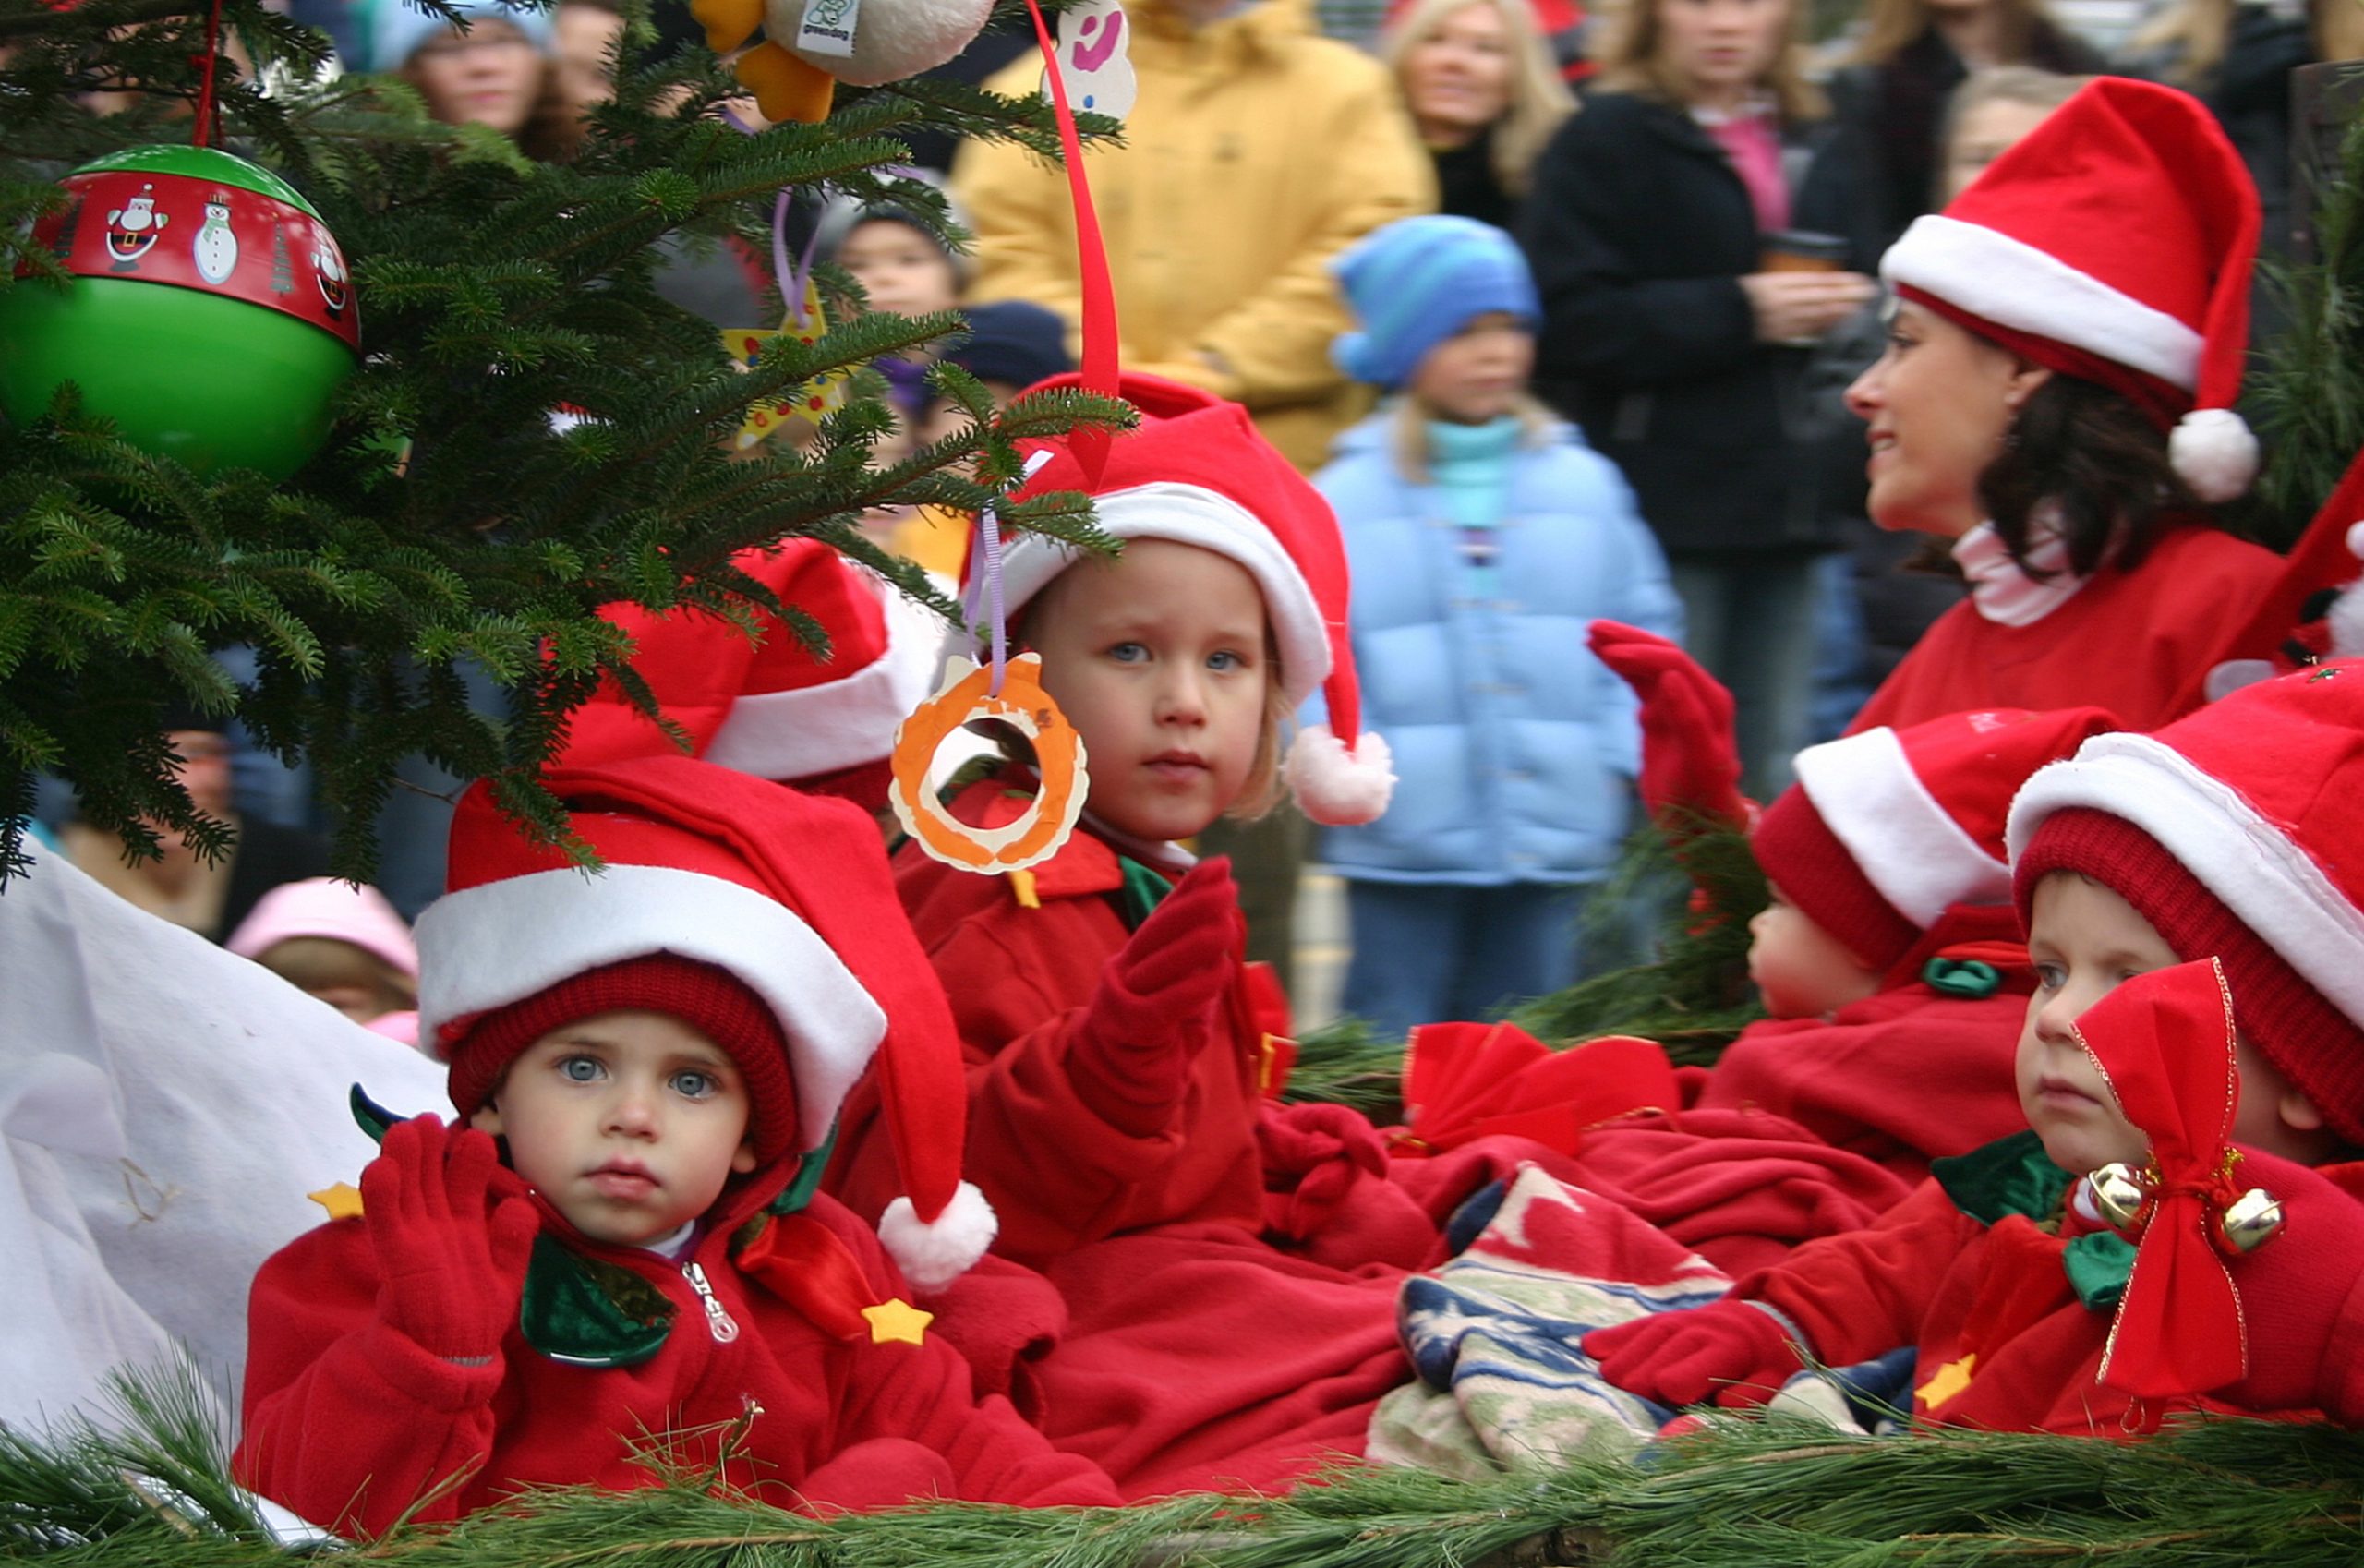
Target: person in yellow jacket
{"x": 1255, "y": 151}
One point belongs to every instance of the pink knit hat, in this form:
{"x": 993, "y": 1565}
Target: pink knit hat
{"x": 323, "y": 907}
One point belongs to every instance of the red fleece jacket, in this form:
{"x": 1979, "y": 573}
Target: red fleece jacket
{"x": 1057, "y": 1174}
{"x": 2137, "y": 643}
{"x": 348, "y": 1422}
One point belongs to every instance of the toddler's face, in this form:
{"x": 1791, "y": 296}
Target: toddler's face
{"x": 1799, "y": 969}
{"x": 2085, "y": 942}
{"x": 1476, "y": 376}
{"x": 628, "y": 1122}
{"x": 1159, "y": 659}
{"x": 899, "y": 267}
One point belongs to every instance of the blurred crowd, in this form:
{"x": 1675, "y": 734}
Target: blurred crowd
{"x": 1700, "y": 191}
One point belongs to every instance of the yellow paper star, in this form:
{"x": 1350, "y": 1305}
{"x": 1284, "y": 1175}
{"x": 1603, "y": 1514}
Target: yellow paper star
{"x": 343, "y": 1201}
{"x": 897, "y": 1320}
{"x": 1949, "y": 1380}
{"x": 810, "y": 401}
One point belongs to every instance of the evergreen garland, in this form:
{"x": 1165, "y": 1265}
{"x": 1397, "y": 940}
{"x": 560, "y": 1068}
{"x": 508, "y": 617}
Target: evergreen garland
{"x": 1748, "y": 1492}
{"x": 445, "y": 519}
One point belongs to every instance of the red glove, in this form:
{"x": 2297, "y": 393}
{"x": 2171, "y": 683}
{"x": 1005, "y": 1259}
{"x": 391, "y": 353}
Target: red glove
{"x": 1730, "y": 1351}
{"x": 2302, "y": 1295}
{"x": 451, "y": 1263}
{"x": 1690, "y": 761}
{"x": 1130, "y": 1057}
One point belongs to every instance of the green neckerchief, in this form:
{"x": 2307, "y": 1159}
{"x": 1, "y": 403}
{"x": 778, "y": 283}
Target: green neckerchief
{"x": 2013, "y": 1176}
{"x": 1141, "y": 891}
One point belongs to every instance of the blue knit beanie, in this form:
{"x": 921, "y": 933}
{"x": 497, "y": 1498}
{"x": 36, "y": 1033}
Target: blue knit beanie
{"x": 399, "y": 29}
{"x": 1418, "y": 282}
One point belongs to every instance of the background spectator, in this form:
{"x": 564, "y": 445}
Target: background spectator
{"x": 1655, "y": 214}
{"x": 1484, "y": 94}
{"x": 1514, "y": 749}
{"x": 500, "y": 73}
{"x": 340, "y": 944}
{"x": 179, "y": 885}
{"x": 1914, "y": 53}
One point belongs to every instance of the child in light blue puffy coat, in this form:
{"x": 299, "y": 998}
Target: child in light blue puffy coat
{"x": 1483, "y": 538}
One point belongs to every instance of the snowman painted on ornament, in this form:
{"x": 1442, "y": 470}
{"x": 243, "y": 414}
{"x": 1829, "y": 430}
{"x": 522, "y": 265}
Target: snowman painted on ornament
{"x": 132, "y": 230}
{"x": 328, "y": 269}
{"x": 216, "y": 247}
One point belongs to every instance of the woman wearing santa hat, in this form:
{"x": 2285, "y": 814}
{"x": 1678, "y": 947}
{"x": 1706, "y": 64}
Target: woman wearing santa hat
{"x": 2056, "y": 404}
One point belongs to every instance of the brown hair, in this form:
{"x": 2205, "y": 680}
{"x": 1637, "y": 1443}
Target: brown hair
{"x": 1632, "y": 61}
{"x": 2027, "y": 85}
{"x": 2099, "y": 460}
{"x": 315, "y": 963}
{"x": 1889, "y": 25}
{"x": 1539, "y": 98}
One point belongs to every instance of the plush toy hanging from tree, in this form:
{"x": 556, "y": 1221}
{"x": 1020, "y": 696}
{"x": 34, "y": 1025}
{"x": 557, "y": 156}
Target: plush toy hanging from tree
{"x": 446, "y": 520}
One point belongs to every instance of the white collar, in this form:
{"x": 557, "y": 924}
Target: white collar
{"x": 2000, "y": 589}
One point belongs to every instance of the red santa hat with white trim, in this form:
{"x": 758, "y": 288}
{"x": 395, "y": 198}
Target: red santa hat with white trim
{"x": 1886, "y": 829}
{"x": 1195, "y": 471}
{"x": 2113, "y": 243}
{"x": 821, "y": 719}
{"x": 765, "y": 918}
{"x": 2234, "y": 832}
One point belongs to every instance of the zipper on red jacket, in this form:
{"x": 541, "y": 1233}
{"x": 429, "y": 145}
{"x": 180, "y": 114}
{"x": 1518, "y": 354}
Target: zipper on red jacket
{"x": 718, "y": 1321}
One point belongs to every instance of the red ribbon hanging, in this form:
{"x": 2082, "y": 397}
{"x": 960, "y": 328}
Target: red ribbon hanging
{"x": 1090, "y": 445}
{"x": 2164, "y": 1043}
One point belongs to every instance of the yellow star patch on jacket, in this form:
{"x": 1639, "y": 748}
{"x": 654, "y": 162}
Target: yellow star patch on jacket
{"x": 897, "y": 1320}
{"x": 343, "y": 1201}
{"x": 1948, "y": 1381}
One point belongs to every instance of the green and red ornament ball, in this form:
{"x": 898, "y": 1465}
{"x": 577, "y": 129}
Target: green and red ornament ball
{"x": 210, "y": 316}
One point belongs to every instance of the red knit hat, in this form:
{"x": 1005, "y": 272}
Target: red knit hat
{"x": 2236, "y": 832}
{"x": 1197, "y": 472}
{"x": 786, "y": 896}
{"x": 824, "y": 721}
{"x": 1885, "y": 830}
{"x": 2113, "y": 243}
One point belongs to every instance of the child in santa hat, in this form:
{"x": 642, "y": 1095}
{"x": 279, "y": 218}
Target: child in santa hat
{"x": 2056, "y": 404}
{"x": 2223, "y": 836}
{"x": 819, "y": 719}
{"x": 641, "y": 1258}
{"x": 1889, "y": 958}
{"x": 1119, "y": 1050}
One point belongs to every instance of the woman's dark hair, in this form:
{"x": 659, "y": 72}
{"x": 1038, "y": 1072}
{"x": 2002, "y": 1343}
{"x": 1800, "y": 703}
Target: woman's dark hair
{"x": 2100, "y": 459}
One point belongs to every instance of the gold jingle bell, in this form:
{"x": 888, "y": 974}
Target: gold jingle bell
{"x": 2250, "y": 1221}
{"x": 2119, "y": 1194}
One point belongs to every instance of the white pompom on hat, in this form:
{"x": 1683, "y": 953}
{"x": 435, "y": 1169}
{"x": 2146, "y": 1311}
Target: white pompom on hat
{"x": 1197, "y": 472}
{"x": 2113, "y": 243}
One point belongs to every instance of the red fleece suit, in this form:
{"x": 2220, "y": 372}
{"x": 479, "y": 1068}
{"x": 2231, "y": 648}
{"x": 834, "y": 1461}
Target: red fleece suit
{"x": 347, "y": 1420}
{"x": 2003, "y": 1343}
{"x": 2137, "y": 643}
{"x": 1058, "y": 1174}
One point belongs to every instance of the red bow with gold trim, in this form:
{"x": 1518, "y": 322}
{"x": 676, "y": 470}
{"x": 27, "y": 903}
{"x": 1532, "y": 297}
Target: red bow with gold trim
{"x": 2164, "y": 1042}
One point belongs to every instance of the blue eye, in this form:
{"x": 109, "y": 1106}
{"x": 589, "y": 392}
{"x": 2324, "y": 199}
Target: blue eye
{"x": 1128, "y": 653}
{"x": 1227, "y": 660}
{"x": 693, "y": 1085}
{"x": 2050, "y": 977}
{"x": 580, "y": 1069}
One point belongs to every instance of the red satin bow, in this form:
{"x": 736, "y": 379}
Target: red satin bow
{"x": 2163, "y": 1041}
{"x": 1464, "y": 1082}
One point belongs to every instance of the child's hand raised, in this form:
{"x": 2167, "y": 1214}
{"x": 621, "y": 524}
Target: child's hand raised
{"x": 1131, "y": 1053}
{"x": 451, "y": 1262}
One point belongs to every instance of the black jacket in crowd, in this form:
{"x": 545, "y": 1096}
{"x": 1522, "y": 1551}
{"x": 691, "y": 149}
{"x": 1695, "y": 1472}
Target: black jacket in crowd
{"x": 1639, "y": 230}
